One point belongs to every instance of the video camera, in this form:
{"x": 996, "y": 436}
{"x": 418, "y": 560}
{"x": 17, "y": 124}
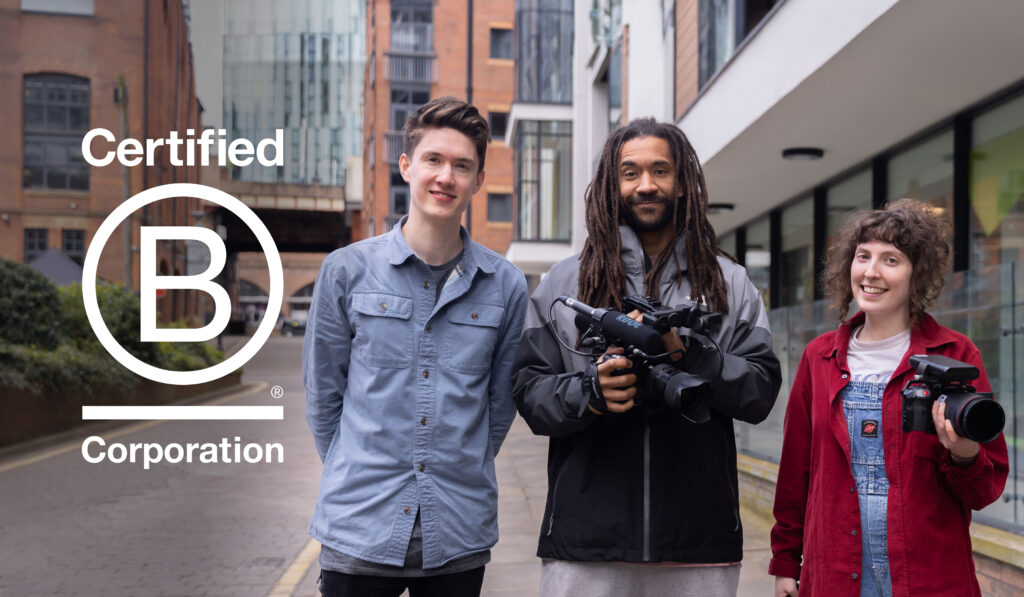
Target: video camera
{"x": 974, "y": 415}
{"x": 659, "y": 383}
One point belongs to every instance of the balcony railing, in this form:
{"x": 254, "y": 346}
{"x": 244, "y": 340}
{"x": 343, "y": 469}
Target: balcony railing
{"x": 411, "y": 69}
{"x": 412, "y": 37}
{"x": 392, "y": 146}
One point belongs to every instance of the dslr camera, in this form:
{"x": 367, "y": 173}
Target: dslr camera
{"x": 975, "y": 415}
{"x": 660, "y": 384}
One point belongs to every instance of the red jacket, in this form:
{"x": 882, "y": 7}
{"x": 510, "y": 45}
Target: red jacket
{"x": 930, "y": 499}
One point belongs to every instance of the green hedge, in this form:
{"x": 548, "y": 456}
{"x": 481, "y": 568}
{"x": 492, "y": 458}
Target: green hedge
{"x": 47, "y": 344}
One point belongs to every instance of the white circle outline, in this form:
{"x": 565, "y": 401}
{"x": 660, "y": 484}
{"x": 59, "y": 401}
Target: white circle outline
{"x": 109, "y": 226}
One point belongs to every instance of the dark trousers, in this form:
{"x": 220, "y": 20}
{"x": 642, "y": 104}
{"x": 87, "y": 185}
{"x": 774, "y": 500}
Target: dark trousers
{"x": 460, "y": 584}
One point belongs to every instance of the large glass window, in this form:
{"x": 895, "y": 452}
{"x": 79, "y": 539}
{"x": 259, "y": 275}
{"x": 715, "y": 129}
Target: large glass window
{"x": 727, "y": 243}
{"x": 56, "y": 118}
{"x": 544, "y": 29}
{"x": 758, "y": 258}
{"x": 997, "y": 185}
{"x": 501, "y": 43}
{"x": 797, "y": 257}
{"x": 925, "y": 172}
{"x": 499, "y": 207}
{"x": 544, "y": 183}
{"x": 412, "y": 26}
{"x": 845, "y": 197}
{"x": 721, "y": 26}
{"x": 68, "y": 7}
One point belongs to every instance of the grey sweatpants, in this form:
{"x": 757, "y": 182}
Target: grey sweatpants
{"x": 559, "y": 578}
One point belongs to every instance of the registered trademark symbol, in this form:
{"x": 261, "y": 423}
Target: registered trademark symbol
{"x": 277, "y": 391}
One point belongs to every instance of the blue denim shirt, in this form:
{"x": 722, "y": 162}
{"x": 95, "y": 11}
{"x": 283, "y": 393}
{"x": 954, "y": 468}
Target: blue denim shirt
{"x": 408, "y": 399}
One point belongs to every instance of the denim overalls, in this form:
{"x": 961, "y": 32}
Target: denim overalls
{"x": 862, "y": 405}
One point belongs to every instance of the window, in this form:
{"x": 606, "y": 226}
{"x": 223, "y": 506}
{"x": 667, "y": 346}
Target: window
{"x": 501, "y": 43}
{"x": 72, "y": 242}
{"x": 722, "y": 25}
{"x": 67, "y": 7}
{"x": 498, "y": 122}
{"x": 55, "y": 120}
{"x": 846, "y": 197}
{"x": 405, "y": 101}
{"x": 797, "y": 267}
{"x": 412, "y": 27}
{"x": 544, "y": 34}
{"x": 544, "y": 180}
{"x": 399, "y": 194}
{"x": 997, "y": 185}
{"x": 759, "y": 258}
{"x": 925, "y": 172}
{"x": 499, "y": 207}
{"x": 37, "y": 240}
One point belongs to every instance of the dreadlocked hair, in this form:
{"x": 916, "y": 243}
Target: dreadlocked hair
{"x": 602, "y": 277}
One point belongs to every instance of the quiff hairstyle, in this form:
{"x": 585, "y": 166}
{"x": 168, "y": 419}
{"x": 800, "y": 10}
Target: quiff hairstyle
{"x": 447, "y": 112}
{"x": 602, "y": 277}
{"x": 912, "y": 227}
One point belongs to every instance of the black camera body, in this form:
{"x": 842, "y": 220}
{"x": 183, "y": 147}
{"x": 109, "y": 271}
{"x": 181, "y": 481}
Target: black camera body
{"x": 975, "y": 415}
{"x": 660, "y": 383}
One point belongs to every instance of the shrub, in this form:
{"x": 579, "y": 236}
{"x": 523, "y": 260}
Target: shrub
{"x": 30, "y": 308}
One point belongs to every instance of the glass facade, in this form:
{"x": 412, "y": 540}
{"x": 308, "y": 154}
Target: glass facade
{"x": 296, "y": 66}
{"x": 721, "y": 26}
{"x": 797, "y": 259}
{"x": 758, "y": 257}
{"x": 851, "y": 195}
{"x": 544, "y": 32}
{"x": 997, "y": 185}
{"x": 925, "y": 172}
{"x": 544, "y": 180}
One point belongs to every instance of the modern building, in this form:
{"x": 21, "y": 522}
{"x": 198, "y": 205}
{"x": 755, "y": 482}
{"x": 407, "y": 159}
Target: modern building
{"x": 802, "y": 111}
{"x": 74, "y": 65}
{"x": 295, "y": 66}
{"x": 423, "y": 49}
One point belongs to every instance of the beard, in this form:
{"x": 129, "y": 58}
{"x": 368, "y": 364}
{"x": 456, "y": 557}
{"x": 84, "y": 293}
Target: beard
{"x": 646, "y": 225}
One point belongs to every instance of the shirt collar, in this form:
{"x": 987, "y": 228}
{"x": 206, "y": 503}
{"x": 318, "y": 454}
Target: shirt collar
{"x": 473, "y": 259}
{"x": 632, "y": 252}
{"x": 926, "y": 335}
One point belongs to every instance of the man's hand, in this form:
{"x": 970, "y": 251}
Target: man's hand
{"x": 962, "y": 450}
{"x": 785, "y": 587}
{"x": 618, "y": 390}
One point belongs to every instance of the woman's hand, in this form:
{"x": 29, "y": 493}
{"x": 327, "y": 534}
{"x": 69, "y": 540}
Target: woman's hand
{"x": 785, "y": 587}
{"x": 963, "y": 451}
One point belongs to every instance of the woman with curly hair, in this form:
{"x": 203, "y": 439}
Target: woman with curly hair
{"x": 863, "y": 508}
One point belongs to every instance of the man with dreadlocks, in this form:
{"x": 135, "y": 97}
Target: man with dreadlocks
{"x": 630, "y": 485}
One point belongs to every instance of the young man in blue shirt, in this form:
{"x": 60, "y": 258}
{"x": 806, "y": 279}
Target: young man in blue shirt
{"x": 407, "y": 363}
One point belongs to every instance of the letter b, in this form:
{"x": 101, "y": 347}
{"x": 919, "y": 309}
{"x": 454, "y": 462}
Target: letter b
{"x": 149, "y": 283}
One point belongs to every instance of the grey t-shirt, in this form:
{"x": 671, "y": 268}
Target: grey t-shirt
{"x": 875, "y": 362}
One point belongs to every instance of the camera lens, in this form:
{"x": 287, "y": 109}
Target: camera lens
{"x": 974, "y": 416}
{"x": 682, "y": 392}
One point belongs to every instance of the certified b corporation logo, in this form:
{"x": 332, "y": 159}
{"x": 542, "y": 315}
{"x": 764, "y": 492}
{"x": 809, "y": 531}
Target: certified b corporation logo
{"x": 150, "y": 282}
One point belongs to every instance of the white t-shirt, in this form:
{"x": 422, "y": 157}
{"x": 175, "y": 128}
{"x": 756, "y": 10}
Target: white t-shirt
{"x": 876, "y": 361}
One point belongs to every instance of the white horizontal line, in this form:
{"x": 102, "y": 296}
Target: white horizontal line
{"x": 182, "y": 413}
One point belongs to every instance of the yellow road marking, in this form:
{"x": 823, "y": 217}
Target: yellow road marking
{"x": 76, "y": 444}
{"x": 293, "y": 575}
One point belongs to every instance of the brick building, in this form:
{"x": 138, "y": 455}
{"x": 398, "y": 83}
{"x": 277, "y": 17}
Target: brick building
{"x": 418, "y": 50}
{"x": 74, "y": 65}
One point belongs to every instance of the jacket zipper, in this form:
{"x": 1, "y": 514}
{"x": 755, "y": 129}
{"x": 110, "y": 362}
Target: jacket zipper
{"x": 647, "y": 488}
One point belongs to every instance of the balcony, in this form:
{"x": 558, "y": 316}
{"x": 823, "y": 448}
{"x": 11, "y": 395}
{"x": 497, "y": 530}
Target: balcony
{"x": 401, "y": 68}
{"x": 412, "y": 37}
{"x": 392, "y": 146}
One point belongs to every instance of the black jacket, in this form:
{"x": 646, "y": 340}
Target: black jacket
{"x": 642, "y": 486}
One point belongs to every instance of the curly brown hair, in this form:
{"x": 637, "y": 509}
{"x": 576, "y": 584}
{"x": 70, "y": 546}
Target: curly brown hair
{"x": 914, "y": 228}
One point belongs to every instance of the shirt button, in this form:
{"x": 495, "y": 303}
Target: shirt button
{"x": 845, "y": 376}
{"x": 406, "y": 509}
{"x": 423, "y": 421}
{"x": 426, "y": 284}
{"x": 853, "y": 488}
{"x": 428, "y": 328}
{"x": 426, "y": 373}
{"x": 854, "y": 532}
{"x": 474, "y": 315}
{"x": 422, "y": 467}
{"x": 853, "y": 576}
{"x": 383, "y": 307}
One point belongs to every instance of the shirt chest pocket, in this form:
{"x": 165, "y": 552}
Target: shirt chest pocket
{"x": 383, "y": 334}
{"x": 470, "y": 337}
